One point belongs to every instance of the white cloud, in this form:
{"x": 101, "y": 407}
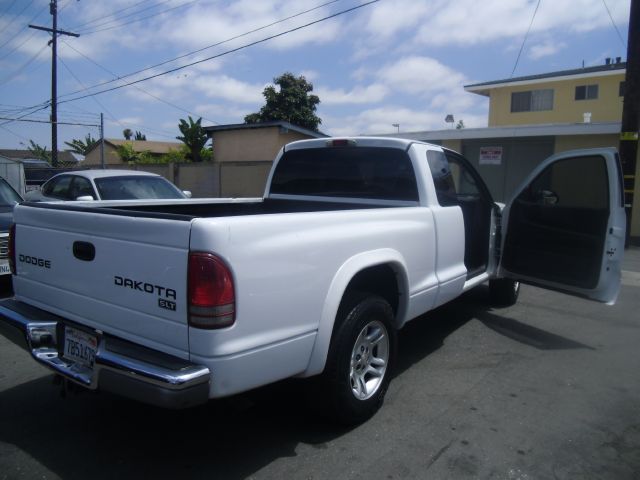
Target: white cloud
{"x": 228, "y": 88}
{"x": 465, "y": 22}
{"x": 242, "y": 22}
{"x": 381, "y": 120}
{"x": 545, "y": 49}
{"x": 420, "y": 75}
{"x": 357, "y": 95}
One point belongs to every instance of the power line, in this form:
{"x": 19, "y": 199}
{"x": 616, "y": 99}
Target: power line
{"x": 17, "y": 15}
{"x": 121, "y": 77}
{"x": 23, "y": 67}
{"x": 102, "y": 17}
{"x": 614, "y": 24}
{"x": 91, "y": 32}
{"x": 30, "y": 120}
{"x": 525, "y": 38}
{"x": 35, "y": 110}
{"x": 111, "y": 115}
{"x": 82, "y": 85}
{"x": 136, "y": 86}
{"x": 9, "y": 8}
{"x": 251, "y": 44}
{"x": 14, "y": 133}
{"x": 33, "y": 19}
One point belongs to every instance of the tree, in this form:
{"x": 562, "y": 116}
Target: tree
{"x": 82, "y": 146}
{"x": 460, "y": 125}
{"x": 293, "y": 103}
{"x": 129, "y": 155}
{"x": 128, "y": 133}
{"x": 194, "y": 137}
{"x": 39, "y": 151}
{"x": 139, "y": 136}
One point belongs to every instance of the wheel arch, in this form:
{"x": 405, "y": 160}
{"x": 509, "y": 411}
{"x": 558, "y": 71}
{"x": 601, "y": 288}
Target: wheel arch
{"x": 382, "y": 272}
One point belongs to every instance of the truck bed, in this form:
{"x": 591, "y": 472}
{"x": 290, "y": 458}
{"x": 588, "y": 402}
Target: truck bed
{"x": 188, "y": 210}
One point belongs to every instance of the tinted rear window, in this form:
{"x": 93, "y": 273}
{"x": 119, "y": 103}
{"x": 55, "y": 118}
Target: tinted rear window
{"x": 354, "y": 172}
{"x": 127, "y": 188}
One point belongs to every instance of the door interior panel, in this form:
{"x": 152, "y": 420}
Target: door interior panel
{"x": 557, "y": 224}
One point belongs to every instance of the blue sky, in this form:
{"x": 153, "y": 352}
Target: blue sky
{"x": 390, "y": 62}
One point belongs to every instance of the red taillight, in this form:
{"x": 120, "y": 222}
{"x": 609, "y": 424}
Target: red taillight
{"x": 211, "y": 292}
{"x": 12, "y": 248}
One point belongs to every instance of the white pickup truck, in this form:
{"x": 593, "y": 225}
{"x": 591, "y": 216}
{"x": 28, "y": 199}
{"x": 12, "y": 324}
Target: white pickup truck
{"x": 176, "y": 302}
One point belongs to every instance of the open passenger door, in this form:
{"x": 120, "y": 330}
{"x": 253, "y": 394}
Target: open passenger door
{"x": 565, "y": 227}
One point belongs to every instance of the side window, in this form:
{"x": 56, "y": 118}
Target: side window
{"x": 81, "y": 188}
{"x": 59, "y": 188}
{"x": 442, "y": 178}
{"x": 557, "y": 184}
{"x": 452, "y": 179}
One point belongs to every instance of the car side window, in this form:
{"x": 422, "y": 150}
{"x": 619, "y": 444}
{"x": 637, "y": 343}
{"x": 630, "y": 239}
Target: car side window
{"x": 452, "y": 178}
{"x": 58, "y": 187}
{"x": 442, "y": 178}
{"x": 81, "y": 188}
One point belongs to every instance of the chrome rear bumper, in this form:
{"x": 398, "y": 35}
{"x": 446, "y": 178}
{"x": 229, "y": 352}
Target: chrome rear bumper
{"x": 120, "y": 366}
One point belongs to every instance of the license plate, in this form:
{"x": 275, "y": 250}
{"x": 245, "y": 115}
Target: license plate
{"x": 4, "y": 268}
{"x": 79, "y": 346}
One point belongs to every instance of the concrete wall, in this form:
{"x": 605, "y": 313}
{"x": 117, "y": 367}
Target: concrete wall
{"x": 244, "y": 179}
{"x": 606, "y": 108}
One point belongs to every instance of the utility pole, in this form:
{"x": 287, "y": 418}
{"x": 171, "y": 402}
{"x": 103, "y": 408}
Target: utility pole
{"x": 631, "y": 111}
{"x": 53, "y": 9}
{"x": 102, "y": 140}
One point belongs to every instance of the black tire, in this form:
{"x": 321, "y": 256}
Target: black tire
{"x": 504, "y": 292}
{"x": 352, "y": 395}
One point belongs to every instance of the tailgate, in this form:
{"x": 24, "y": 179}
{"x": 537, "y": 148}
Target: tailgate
{"x": 121, "y": 274}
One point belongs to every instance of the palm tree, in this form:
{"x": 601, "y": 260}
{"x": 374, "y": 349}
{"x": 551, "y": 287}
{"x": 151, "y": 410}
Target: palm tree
{"x": 80, "y": 146}
{"x": 128, "y": 133}
{"x": 193, "y": 136}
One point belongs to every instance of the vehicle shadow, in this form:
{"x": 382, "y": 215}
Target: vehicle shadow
{"x": 103, "y": 436}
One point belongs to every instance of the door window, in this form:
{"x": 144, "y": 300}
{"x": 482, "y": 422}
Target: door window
{"x": 58, "y": 187}
{"x": 556, "y": 224}
{"x": 457, "y": 184}
{"x": 81, "y": 188}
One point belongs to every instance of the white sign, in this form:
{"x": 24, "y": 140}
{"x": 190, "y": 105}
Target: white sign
{"x": 490, "y": 156}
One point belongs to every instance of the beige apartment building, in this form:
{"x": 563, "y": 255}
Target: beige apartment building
{"x": 533, "y": 117}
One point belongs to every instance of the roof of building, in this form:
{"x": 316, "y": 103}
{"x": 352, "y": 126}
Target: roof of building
{"x": 277, "y": 123}
{"x": 541, "y": 130}
{"x": 140, "y": 145}
{"x": 600, "y": 70}
{"x": 63, "y": 156}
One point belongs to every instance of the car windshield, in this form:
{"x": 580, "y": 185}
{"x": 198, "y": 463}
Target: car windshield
{"x": 134, "y": 187}
{"x": 8, "y": 196}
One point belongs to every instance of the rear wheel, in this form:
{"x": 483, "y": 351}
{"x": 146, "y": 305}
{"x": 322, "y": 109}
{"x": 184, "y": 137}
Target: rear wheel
{"x": 361, "y": 356}
{"x": 504, "y": 292}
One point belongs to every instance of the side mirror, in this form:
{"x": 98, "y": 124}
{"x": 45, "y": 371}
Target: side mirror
{"x": 187, "y": 193}
{"x": 548, "y": 197}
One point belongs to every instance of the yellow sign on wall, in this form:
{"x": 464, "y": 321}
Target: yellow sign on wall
{"x": 629, "y": 136}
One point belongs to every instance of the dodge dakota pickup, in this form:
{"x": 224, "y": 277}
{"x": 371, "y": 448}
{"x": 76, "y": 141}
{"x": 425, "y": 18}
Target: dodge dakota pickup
{"x": 176, "y": 302}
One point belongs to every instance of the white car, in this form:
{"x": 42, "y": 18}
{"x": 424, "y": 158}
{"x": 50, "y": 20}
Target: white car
{"x": 105, "y": 185}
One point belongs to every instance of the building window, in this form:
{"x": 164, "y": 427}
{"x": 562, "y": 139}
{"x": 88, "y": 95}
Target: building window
{"x": 621, "y": 90}
{"x": 532, "y": 100}
{"x": 586, "y": 92}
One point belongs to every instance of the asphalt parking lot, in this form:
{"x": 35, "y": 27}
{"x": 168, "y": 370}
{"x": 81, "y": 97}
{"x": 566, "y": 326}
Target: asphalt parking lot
{"x": 547, "y": 389}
